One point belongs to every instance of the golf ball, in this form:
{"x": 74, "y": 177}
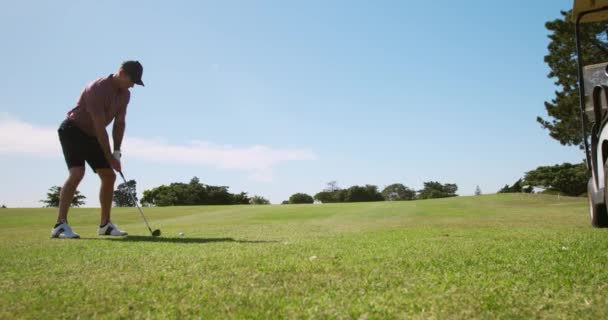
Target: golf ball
{"x": 181, "y": 234}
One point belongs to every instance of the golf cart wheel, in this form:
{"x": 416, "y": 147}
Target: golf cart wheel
{"x": 597, "y": 211}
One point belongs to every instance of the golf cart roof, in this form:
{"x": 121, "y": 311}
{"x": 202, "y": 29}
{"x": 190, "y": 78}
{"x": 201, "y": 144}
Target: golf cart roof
{"x": 581, "y": 6}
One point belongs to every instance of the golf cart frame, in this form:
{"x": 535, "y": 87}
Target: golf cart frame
{"x": 593, "y": 95}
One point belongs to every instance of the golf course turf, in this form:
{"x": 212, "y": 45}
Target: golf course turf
{"x": 508, "y": 256}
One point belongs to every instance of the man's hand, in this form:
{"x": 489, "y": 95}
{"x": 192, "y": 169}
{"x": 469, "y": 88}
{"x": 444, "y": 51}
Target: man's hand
{"x": 102, "y": 138}
{"x": 115, "y": 164}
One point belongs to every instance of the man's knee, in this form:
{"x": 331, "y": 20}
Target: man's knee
{"x": 76, "y": 174}
{"x": 107, "y": 175}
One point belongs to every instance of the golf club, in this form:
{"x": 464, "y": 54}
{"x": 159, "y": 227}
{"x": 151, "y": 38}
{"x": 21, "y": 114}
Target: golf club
{"x": 154, "y": 233}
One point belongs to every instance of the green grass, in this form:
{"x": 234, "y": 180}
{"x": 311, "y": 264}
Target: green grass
{"x": 496, "y": 256}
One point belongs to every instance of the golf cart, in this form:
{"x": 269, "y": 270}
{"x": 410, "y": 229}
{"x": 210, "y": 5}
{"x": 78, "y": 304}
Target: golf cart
{"x": 593, "y": 91}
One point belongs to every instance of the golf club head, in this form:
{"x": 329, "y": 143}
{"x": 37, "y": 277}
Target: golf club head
{"x": 156, "y": 233}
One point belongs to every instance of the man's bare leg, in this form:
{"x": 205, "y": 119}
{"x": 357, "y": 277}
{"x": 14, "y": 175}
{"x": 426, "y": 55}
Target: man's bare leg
{"x": 67, "y": 192}
{"x": 106, "y": 193}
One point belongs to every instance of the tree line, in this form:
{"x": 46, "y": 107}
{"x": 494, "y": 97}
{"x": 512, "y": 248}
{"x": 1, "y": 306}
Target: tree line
{"x": 368, "y": 193}
{"x": 568, "y": 179}
{"x": 197, "y": 193}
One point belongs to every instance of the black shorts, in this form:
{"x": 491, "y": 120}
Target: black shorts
{"x": 79, "y": 147}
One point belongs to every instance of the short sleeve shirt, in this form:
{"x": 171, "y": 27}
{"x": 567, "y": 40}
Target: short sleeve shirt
{"x": 99, "y": 97}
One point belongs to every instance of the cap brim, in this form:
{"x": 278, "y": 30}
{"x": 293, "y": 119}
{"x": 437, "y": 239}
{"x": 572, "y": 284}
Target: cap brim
{"x": 141, "y": 83}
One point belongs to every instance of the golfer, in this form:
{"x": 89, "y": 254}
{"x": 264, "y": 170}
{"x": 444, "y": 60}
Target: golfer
{"x": 84, "y": 138}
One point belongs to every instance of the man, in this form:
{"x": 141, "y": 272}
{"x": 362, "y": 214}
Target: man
{"x": 84, "y": 138}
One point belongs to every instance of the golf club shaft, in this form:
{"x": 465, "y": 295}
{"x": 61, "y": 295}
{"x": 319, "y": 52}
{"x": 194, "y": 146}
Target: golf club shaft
{"x": 135, "y": 201}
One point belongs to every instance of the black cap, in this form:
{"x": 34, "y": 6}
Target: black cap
{"x": 134, "y": 70}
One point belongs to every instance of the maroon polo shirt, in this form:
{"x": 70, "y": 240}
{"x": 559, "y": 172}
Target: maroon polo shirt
{"x": 99, "y": 97}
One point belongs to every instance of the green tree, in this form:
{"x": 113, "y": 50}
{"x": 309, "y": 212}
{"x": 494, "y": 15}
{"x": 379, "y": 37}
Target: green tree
{"x": 398, "y": 191}
{"x": 241, "y": 198}
{"x": 332, "y": 186}
{"x": 564, "y": 123}
{"x": 352, "y": 194}
{"x": 504, "y": 189}
{"x": 328, "y": 197}
{"x": 122, "y": 197}
{"x": 149, "y": 197}
{"x": 219, "y": 195}
{"x": 3, "y": 206}
{"x": 570, "y": 179}
{"x": 434, "y": 189}
{"x": 517, "y": 187}
{"x": 52, "y": 198}
{"x": 333, "y": 193}
{"x": 192, "y": 193}
{"x": 161, "y": 196}
{"x": 259, "y": 200}
{"x": 300, "y": 198}
{"x": 363, "y": 193}
{"x": 196, "y": 193}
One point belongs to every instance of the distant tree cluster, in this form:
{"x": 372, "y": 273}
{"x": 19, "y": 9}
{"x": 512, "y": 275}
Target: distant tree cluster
{"x": 569, "y": 179}
{"x": 369, "y": 193}
{"x": 517, "y": 187}
{"x": 352, "y": 194}
{"x": 298, "y": 198}
{"x": 258, "y": 200}
{"x": 3, "y": 207}
{"x": 398, "y": 191}
{"x": 195, "y": 193}
{"x": 434, "y": 190}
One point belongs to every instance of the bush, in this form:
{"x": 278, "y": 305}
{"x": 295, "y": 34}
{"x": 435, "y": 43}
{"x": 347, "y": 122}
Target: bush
{"x": 192, "y": 193}
{"x": 259, "y": 200}
{"x": 363, "y": 194}
{"x": 300, "y": 198}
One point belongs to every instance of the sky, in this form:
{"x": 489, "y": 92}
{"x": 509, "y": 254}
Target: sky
{"x": 274, "y": 98}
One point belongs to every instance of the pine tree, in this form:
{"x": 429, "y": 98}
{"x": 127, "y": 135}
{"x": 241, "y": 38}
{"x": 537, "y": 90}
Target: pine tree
{"x": 478, "y": 191}
{"x": 52, "y": 198}
{"x": 564, "y": 123}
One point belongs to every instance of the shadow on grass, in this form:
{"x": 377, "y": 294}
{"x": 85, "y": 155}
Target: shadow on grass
{"x": 176, "y": 240}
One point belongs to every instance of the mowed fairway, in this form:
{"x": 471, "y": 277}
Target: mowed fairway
{"x": 494, "y": 256}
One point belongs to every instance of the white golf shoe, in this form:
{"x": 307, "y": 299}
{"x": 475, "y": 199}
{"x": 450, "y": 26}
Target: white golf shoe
{"x": 64, "y": 231}
{"x": 111, "y": 229}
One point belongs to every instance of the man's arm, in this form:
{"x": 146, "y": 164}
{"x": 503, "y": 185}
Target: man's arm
{"x": 99, "y": 122}
{"x": 118, "y": 130}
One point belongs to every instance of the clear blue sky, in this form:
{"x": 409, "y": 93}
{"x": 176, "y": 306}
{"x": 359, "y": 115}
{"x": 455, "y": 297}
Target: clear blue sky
{"x": 278, "y": 97}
